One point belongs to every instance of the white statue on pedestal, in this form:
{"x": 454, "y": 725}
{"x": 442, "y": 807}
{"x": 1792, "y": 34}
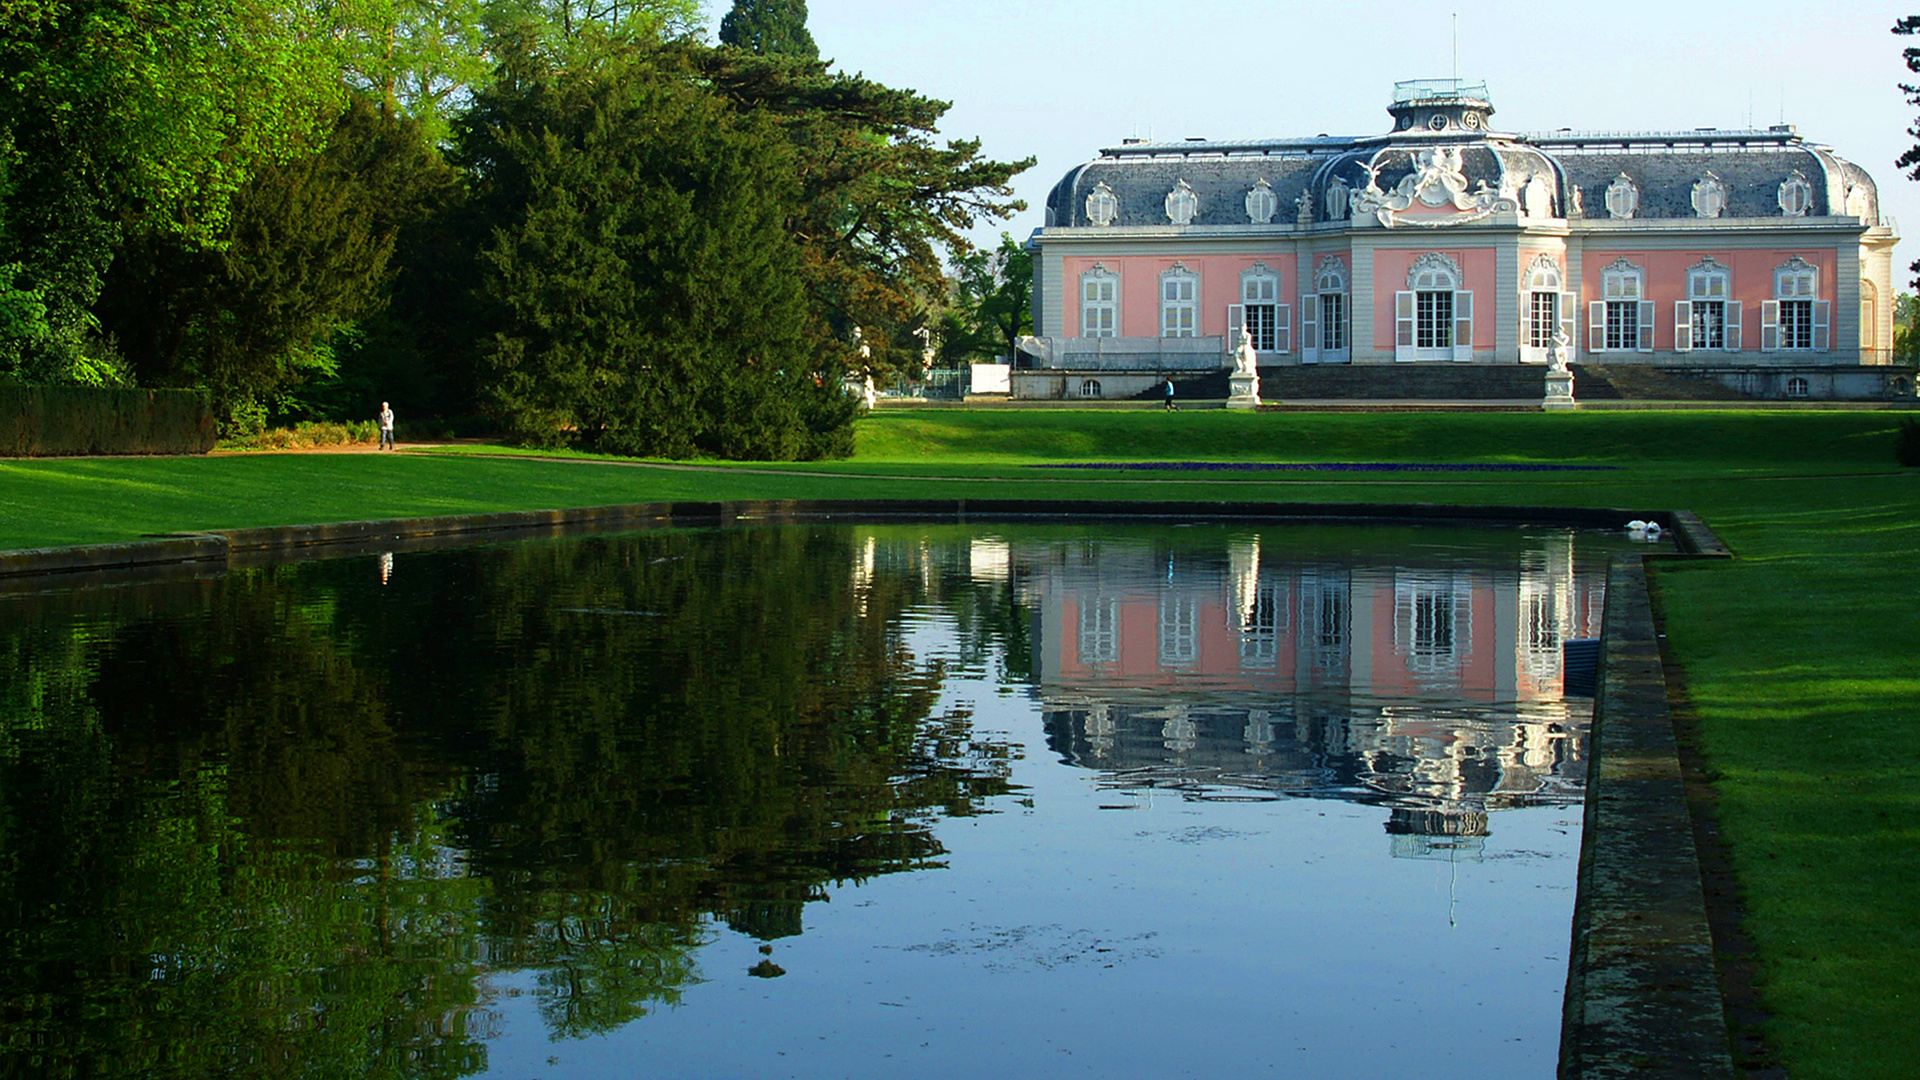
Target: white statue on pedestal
{"x": 1559, "y": 376}
{"x": 1245, "y": 360}
{"x": 1244, "y": 382}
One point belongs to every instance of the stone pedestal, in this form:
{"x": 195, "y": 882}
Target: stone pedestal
{"x": 1245, "y": 390}
{"x": 1559, "y": 390}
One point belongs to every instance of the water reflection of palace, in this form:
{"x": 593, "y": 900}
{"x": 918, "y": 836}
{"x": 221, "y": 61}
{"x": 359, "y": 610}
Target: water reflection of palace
{"x": 1433, "y": 688}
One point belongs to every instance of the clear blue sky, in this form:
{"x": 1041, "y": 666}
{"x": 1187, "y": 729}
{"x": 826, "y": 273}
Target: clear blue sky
{"x": 1060, "y": 80}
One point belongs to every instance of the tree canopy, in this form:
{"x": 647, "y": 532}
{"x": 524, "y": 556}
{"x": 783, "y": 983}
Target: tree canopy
{"x": 644, "y": 294}
{"x": 766, "y": 27}
{"x": 569, "y": 217}
{"x": 879, "y": 200}
{"x": 1910, "y": 161}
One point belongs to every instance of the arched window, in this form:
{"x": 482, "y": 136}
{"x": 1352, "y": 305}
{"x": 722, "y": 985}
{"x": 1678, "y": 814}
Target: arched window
{"x": 1090, "y": 388}
{"x": 1099, "y": 303}
{"x": 1546, "y": 309}
{"x": 1179, "y": 302}
{"x": 1260, "y": 312}
{"x": 1707, "y": 318}
{"x": 1795, "y": 320}
{"x": 1433, "y": 317}
{"x": 1797, "y": 387}
{"x": 1622, "y": 319}
{"x": 1325, "y": 330}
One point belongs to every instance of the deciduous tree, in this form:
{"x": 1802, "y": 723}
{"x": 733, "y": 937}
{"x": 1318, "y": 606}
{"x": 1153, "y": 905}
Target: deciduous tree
{"x": 304, "y": 252}
{"x": 138, "y": 111}
{"x": 994, "y": 297}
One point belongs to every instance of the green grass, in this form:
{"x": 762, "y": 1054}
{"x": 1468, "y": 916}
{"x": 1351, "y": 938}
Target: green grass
{"x": 1798, "y": 654}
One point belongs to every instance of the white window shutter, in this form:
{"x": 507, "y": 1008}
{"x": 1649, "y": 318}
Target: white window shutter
{"x": 1463, "y": 325}
{"x": 1733, "y": 326}
{"x": 1403, "y": 325}
{"x": 1683, "y": 326}
{"x": 1568, "y": 312}
{"x": 1236, "y": 320}
{"x": 1822, "y": 325}
{"x": 1309, "y": 328}
{"x": 1646, "y": 325}
{"x": 1282, "y": 328}
{"x": 1769, "y": 326}
{"x": 1597, "y": 326}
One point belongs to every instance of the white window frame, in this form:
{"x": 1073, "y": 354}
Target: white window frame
{"x": 1623, "y": 313}
{"x": 1260, "y": 287}
{"x": 1708, "y": 284}
{"x": 1544, "y": 278}
{"x": 1179, "y": 303}
{"x": 1326, "y": 316}
{"x": 1433, "y": 316}
{"x": 1796, "y": 319}
{"x": 1099, "y": 303}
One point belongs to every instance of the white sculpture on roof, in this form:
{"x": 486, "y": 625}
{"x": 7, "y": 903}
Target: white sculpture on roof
{"x": 1438, "y": 180}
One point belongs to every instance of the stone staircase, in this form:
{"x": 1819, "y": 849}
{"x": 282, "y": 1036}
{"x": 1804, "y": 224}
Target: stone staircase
{"x": 1459, "y": 382}
{"x": 1638, "y": 382}
{"x": 1389, "y": 382}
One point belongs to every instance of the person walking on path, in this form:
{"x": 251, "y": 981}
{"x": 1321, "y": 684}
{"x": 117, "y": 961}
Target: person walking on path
{"x": 386, "y": 426}
{"x": 1169, "y": 395}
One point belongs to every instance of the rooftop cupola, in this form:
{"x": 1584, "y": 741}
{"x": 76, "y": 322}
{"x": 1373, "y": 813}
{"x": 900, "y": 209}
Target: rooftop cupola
{"x": 1441, "y": 106}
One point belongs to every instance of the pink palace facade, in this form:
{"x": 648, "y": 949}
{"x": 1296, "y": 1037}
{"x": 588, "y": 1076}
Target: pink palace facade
{"x": 1752, "y": 256}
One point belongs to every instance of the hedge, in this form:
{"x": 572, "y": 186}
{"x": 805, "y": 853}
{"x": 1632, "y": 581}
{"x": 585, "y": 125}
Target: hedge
{"x": 54, "y": 421}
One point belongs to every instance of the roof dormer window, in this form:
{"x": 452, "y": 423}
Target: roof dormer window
{"x": 1102, "y": 207}
{"x": 1796, "y": 195}
{"x": 1182, "y": 204}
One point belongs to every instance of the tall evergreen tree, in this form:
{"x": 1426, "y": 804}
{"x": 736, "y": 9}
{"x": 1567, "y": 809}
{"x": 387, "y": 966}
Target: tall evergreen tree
{"x": 769, "y": 27}
{"x": 880, "y": 200}
{"x": 642, "y": 293}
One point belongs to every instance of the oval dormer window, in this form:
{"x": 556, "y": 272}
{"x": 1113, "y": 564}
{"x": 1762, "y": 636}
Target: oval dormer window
{"x": 1102, "y": 207}
{"x": 1182, "y": 204}
{"x": 1796, "y": 195}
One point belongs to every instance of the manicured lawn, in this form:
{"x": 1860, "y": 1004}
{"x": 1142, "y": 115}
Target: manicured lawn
{"x": 1799, "y": 653}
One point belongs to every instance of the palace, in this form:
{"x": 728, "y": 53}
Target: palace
{"x": 1753, "y": 258}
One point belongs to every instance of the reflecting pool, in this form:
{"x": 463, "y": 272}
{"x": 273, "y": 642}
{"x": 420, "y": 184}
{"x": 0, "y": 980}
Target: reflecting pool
{"x": 816, "y": 801}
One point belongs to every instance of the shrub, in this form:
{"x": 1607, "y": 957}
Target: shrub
{"x": 308, "y": 434}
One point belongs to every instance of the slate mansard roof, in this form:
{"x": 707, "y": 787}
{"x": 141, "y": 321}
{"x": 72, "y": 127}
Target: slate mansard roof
{"x": 1662, "y": 169}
